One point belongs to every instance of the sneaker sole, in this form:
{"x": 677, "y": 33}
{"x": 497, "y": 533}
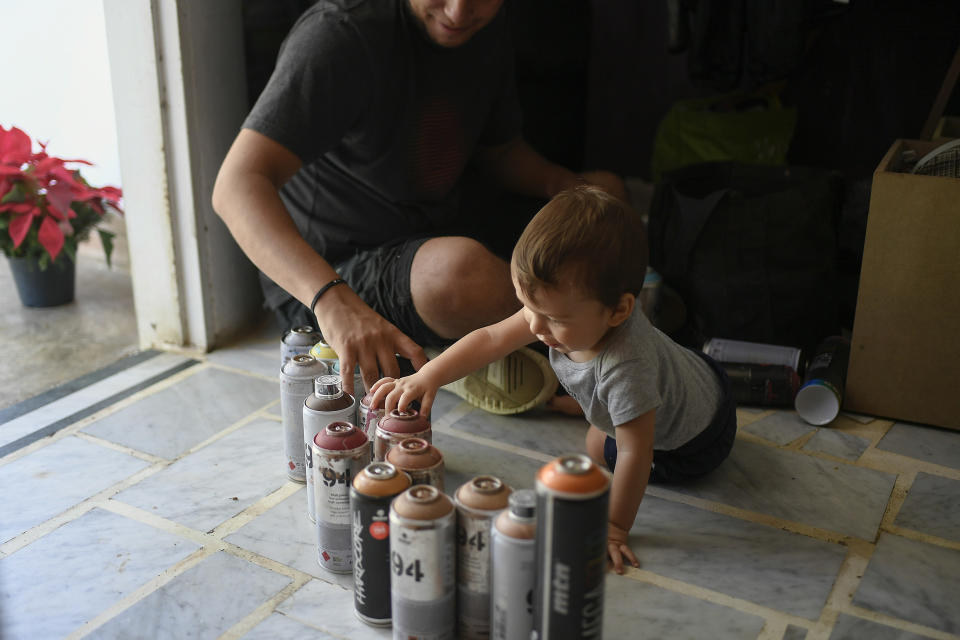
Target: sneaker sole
{"x": 521, "y": 381}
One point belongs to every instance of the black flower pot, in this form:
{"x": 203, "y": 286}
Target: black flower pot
{"x": 48, "y": 288}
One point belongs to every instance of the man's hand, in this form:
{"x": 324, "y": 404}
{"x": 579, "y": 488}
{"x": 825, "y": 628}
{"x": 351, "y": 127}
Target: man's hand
{"x": 398, "y": 394}
{"x": 361, "y": 336}
{"x": 618, "y": 548}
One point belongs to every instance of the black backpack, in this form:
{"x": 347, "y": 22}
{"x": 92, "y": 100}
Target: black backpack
{"x": 751, "y": 249}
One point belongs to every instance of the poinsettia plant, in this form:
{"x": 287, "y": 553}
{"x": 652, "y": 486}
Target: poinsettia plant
{"x": 46, "y": 208}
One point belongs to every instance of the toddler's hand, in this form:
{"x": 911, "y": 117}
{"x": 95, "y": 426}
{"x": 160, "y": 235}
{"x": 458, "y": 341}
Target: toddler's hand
{"x": 618, "y": 548}
{"x": 398, "y": 394}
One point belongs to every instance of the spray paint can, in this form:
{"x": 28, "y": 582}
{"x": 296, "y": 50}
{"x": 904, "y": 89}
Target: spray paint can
{"x": 818, "y": 400}
{"x": 368, "y": 417}
{"x": 419, "y": 459}
{"x": 478, "y": 501}
{"x": 324, "y": 353}
{"x": 296, "y": 383}
{"x": 358, "y": 386}
{"x": 771, "y": 385}
{"x": 723, "y": 350}
{"x": 373, "y": 490}
{"x": 396, "y": 426}
{"x": 513, "y": 568}
{"x": 328, "y": 403}
{"x": 572, "y": 498}
{"x": 340, "y": 452}
{"x": 422, "y": 560}
{"x": 296, "y": 341}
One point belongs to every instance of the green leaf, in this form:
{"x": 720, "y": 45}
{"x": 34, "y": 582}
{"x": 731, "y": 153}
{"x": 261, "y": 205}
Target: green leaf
{"x": 17, "y": 194}
{"x": 70, "y": 248}
{"x": 44, "y": 261}
{"x": 106, "y": 239}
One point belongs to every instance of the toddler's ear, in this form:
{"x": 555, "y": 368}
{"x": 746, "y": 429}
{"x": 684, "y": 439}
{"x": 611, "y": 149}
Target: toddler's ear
{"x": 623, "y": 309}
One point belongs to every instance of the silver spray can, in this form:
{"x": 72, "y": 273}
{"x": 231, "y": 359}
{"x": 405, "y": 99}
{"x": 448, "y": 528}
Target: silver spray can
{"x": 422, "y": 560}
{"x": 358, "y": 386}
{"x": 367, "y": 416}
{"x": 296, "y": 383}
{"x": 296, "y": 341}
{"x": 340, "y": 452}
{"x": 328, "y": 403}
{"x": 513, "y": 567}
{"x": 478, "y": 502}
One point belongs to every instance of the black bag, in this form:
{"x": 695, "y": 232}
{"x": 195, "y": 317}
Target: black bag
{"x": 751, "y": 250}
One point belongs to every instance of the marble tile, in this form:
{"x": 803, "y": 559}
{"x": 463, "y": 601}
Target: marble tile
{"x": 781, "y": 427}
{"x": 768, "y": 566}
{"x": 794, "y": 632}
{"x": 443, "y": 404}
{"x": 171, "y": 421}
{"x": 631, "y": 606}
{"x": 930, "y": 444}
{"x": 837, "y": 443}
{"x": 790, "y": 485}
{"x": 54, "y": 585}
{"x": 538, "y": 430}
{"x": 913, "y": 581}
{"x": 285, "y": 534}
{"x": 932, "y": 507}
{"x": 215, "y": 483}
{"x": 52, "y": 479}
{"x": 280, "y": 627}
{"x": 252, "y": 360}
{"x": 329, "y": 608}
{"x": 851, "y": 628}
{"x": 862, "y": 419}
{"x": 202, "y": 602}
{"x": 87, "y": 396}
{"x": 464, "y": 459}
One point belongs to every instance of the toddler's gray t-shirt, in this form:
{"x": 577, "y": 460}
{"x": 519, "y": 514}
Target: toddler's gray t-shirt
{"x": 642, "y": 369}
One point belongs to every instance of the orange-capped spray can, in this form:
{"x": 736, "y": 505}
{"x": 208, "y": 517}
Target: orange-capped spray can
{"x": 396, "y": 426}
{"x": 573, "y": 495}
{"x": 420, "y": 459}
{"x": 373, "y": 490}
{"x": 478, "y": 501}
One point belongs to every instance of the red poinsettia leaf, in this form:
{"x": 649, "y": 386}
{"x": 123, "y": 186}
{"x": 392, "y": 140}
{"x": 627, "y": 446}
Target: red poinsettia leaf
{"x": 59, "y": 197}
{"x": 19, "y": 207}
{"x": 14, "y": 146}
{"x": 10, "y": 170}
{"x": 51, "y": 237}
{"x": 19, "y": 227}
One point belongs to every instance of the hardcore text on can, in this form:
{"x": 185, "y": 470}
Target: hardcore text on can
{"x": 396, "y": 426}
{"x": 513, "y": 565}
{"x": 328, "y": 403}
{"x": 373, "y": 490}
{"x": 296, "y": 341}
{"x": 572, "y": 499}
{"x": 422, "y": 560}
{"x": 419, "y": 459}
{"x": 478, "y": 502}
{"x": 296, "y": 383}
{"x": 340, "y": 452}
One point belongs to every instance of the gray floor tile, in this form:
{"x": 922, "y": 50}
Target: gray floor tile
{"x": 280, "y": 627}
{"x": 794, "y": 632}
{"x": 285, "y": 534}
{"x": 202, "y": 602}
{"x": 539, "y": 430}
{"x": 52, "y": 479}
{"x": 329, "y": 608}
{"x": 932, "y": 506}
{"x": 173, "y": 420}
{"x": 833, "y": 496}
{"x": 443, "y": 404}
{"x": 217, "y": 482}
{"x": 638, "y": 610}
{"x": 930, "y": 444}
{"x": 851, "y": 628}
{"x": 252, "y": 360}
{"x": 781, "y": 427}
{"x": 913, "y": 581}
{"x": 464, "y": 459}
{"x": 837, "y": 443}
{"x": 54, "y": 585}
{"x": 770, "y": 567}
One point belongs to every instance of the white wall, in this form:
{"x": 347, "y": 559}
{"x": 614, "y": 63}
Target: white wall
{"x": 56, "y": 81}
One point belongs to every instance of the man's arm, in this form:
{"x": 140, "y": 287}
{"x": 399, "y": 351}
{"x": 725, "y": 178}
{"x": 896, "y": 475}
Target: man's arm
{"x": 630, "y": 478}
{"x": 246, "y": 196}
{"x": 518, "y": 167}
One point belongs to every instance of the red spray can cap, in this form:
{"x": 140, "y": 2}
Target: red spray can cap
{"x": 408, "y": 421}
{"x": 340, "y": 436}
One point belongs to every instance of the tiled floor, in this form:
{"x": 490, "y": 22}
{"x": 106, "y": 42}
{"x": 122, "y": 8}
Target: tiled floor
{"x": 153, "y": 503}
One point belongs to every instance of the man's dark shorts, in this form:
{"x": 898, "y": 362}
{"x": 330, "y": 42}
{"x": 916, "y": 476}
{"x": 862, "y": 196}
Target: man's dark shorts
{"x": 381, "y": 277}
{"x": 701, "y": 455}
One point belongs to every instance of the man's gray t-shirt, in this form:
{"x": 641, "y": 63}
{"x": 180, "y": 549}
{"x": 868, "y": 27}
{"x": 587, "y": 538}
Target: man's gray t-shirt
{"x": 642, "y": 369}
{"x": 384, "y": 122}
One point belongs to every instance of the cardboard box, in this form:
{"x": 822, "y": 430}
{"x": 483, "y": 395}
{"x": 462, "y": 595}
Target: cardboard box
{"x": 905, "y": 349}
{"x": 947, "y": 128}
